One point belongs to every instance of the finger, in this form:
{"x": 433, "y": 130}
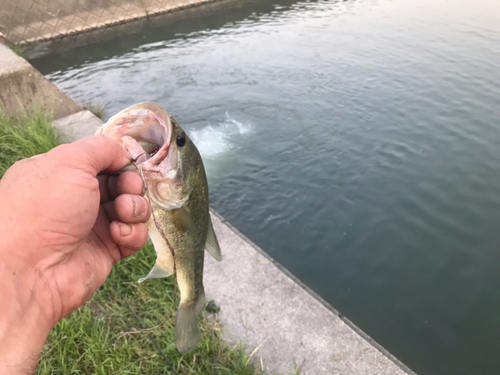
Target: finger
{"x": 129, "y": 182}
{"x": 130, "y": 238}
{"x": 128, "y": 208}
{"x": 104, "y": 241}
{"x": 103, "y": 188}
{"x": 111, "y": 186}
{"x": 93, "y": 155}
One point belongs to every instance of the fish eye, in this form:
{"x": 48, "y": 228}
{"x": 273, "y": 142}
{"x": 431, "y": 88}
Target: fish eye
{"x": 181, "y": 139}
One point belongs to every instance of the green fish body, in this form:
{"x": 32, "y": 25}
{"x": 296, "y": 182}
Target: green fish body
{"x": 178, "y": 190}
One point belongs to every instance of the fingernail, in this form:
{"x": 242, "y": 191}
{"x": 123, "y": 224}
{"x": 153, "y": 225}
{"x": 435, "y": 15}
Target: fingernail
{"x": 139, "y": 206}
{"x": 125, "y": 230}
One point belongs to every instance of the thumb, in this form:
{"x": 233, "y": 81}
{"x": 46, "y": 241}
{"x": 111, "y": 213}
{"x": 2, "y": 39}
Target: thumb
{"x": 95, "y": 154}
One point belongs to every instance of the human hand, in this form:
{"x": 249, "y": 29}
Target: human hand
{"x": 62, "y": 227}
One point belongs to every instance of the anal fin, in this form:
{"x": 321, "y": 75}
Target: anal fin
{"x": 157, "y": 272}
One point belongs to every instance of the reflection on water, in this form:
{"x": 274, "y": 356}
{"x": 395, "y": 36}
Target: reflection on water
{"x": 356, "y": 142}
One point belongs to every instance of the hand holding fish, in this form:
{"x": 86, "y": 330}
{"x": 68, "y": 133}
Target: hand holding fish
{"x": 64, "y": 224}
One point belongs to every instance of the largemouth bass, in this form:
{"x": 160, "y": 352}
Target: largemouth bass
{"x": 180, "y": 222}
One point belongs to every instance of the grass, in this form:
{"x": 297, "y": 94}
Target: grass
{"x": 97, "y": 109}
{"x": 24, "y": 135}
{"x": 17, "y": 49}
{"x": 88, "y": 341}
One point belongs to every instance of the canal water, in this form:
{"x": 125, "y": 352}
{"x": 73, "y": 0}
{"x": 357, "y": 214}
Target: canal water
{"x": 357, "y": 142}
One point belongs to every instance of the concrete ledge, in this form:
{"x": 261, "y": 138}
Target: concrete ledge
{"x": 265, "y": 308}
{"x": 78, "y": 125}
{"x": 23, "y": 87}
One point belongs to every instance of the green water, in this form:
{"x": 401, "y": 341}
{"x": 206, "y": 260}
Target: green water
{"x": 356, "y": 142}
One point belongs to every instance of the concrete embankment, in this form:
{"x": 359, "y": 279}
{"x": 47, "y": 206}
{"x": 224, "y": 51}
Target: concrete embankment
{"x": 279, "y": 320}
{"x": 22, "y": 86}
{"x": 28, "y": 21}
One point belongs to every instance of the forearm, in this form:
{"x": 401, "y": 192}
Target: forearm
{"x": 23, "y": 327}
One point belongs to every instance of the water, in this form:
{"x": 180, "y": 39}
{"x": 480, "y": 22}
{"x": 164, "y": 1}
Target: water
{"x": 357, "y": 142}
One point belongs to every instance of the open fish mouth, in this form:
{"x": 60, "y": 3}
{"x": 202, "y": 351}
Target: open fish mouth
{"x": 145, "y": 131}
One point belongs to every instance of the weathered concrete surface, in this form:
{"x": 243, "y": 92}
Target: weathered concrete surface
{"x": 120, "y": 29}
{"x": 24, "y": 87}
{"x": 27, "y": 21}
{"x": 264, "y": 307}
{"x": 78, "y": 125}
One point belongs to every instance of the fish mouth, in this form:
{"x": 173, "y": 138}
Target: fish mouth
{"x": 145, "y": 131}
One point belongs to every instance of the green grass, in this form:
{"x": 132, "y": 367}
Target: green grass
{"x": 88, "y": 341}
{"x": 97, "y": 109}
{"x": 24, "y": 135}
{"x": 17, "y": 49}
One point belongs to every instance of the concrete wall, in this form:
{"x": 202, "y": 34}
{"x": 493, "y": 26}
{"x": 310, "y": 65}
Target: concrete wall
{"x": 22, "y": 87}
{"x": 28, "y": 21}
{"x": 119, "y": 29}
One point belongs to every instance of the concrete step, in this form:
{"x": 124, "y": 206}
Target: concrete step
{"x": 78, "y": 125}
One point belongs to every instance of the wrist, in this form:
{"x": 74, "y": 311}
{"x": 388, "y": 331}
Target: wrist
{"x": 24, "y": 326}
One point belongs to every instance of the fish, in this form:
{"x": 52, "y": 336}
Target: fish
{"x": 177, "y": 187}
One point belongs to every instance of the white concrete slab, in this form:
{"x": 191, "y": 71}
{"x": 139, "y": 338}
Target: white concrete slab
{"x": 78, "y": 125}
{"x": 263, "y": 306}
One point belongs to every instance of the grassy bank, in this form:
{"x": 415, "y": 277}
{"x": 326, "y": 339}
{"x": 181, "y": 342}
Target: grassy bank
{"x": 23, "y": 136}
{"x": 91, "y": 340}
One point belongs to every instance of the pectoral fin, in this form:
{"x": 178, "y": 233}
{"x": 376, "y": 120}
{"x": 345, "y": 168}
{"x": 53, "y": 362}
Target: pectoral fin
{"x": 157, "y": 272}
{"x": 212, "y": 245}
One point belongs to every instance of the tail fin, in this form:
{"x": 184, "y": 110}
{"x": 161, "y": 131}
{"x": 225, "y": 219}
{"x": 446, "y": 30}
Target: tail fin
{"x": 187, "y": 335}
